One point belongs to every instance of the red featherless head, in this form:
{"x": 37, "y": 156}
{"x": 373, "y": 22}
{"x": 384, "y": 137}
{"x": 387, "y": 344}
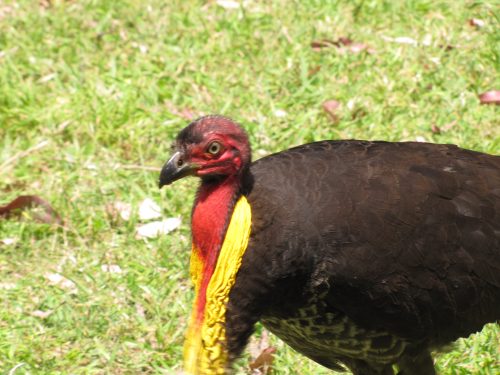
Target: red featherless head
{"x": 211, "y": 147}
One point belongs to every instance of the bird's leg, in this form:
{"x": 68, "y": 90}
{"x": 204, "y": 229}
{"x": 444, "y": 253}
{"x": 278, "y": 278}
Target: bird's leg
{"x": 420, "y": 363}
{"x": 360, "y": 367}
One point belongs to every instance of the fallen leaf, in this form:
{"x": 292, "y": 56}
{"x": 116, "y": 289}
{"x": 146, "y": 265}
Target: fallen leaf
{"x": 490, "y": 97}
{"x": 48, "y": 215}
{"x": 476, "y": 22}
{"x": 111, "y": 268}
{"x": 157, "y": 228}
{"x": 400, "y": 40}
{"x": 324, "y": 43}
{"x": 405, "y": 40}
{"x": 45, "y": 3}
{"x": 344, "y": 41}
{"x": 359, "y": 47}
{"x": 148, "y": 210}
{"x": 358, "y": 113}
{"x": 280, "y": 113}
{"x": 60, "y": 281}
{"x": 331, "y": 107}
{"x": 419, "y": 138}
{"x": 435, "y": 129}
{"x": 447, "y": 47}
{"x": 313, "y": 71}
{"x": 258, "y": 343}
{"x": 9, "y": 241}
{"x": 47, "y": 78}
{"x": 263, "y": 363}
{"x": 90, "y": 166}
{"x": 228, "y": 4}
{"x": 122, "y": 209}
{"x": 41, "y": 314}
{"x": 344, "y": 44}
{"x": 7, "y": 286}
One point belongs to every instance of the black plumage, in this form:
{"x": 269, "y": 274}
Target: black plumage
{"x": 368, "y": 254}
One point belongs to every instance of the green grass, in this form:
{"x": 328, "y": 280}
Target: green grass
{"x": 103, "y": 82}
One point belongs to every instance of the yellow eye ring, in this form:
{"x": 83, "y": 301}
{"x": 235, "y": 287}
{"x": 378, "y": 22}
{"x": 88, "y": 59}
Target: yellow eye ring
{"x": 214, "y": 148}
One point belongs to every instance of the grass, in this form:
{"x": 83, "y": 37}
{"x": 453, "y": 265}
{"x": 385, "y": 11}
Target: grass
{"x": 107, "y": 83}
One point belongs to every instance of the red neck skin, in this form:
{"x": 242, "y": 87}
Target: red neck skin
{"x": 211, "y": 214}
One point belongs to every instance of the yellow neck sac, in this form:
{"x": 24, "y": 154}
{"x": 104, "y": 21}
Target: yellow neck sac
{"x": 204, "y": 349}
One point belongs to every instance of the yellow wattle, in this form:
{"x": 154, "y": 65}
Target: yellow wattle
{"x": 204, "y": 348}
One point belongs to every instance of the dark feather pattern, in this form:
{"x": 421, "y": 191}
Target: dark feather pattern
{"x": 370, "y": 254}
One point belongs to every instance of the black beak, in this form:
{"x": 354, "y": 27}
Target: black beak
{"x": 175, "y": 169}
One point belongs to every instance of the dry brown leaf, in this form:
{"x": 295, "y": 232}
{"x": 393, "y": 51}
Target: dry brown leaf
{"x": 435, "y": 129}
{"x": 344, "y": 41}
{"x": 446, "y": 47}
{"x": 490, "y": 97}
{"x": 323, "y": 43}
{"x": 48, "y": 215}
{"x": 263, "y": 363}
{"x": 331, "y": 107}
{"x": 258, "y": 343}
{"x": 313, "y": 71}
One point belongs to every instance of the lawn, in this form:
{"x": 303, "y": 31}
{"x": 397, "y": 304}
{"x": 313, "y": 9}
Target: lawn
{"x": 92, "y": 94}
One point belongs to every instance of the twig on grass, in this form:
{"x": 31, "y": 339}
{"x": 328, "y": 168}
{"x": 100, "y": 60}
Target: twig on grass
{"x": 137, "y": 167}
{"x": 22, "y": 154}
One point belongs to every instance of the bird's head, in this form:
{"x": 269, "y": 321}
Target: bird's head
{"x": 212, "y": 147}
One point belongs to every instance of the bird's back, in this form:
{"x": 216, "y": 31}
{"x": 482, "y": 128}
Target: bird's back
{"x": 403, "y": 237}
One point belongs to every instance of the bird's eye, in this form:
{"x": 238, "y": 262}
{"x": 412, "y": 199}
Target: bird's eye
{"x": 214, "y": 148}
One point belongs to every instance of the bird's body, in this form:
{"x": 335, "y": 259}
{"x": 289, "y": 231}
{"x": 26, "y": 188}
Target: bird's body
{"x": 366, "y": 254}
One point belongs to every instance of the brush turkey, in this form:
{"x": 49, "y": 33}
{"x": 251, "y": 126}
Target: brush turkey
{"x": 355, "y": 253}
